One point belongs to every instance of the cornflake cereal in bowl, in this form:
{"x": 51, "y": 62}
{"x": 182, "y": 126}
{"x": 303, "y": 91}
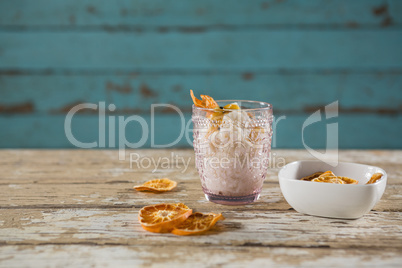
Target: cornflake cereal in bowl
{"x": 310, "y": 188}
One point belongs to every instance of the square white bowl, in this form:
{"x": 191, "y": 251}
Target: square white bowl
{"x": 344, "y": 201}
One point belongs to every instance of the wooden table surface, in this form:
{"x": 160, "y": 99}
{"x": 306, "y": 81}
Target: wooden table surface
{"x": 78, "y": 208}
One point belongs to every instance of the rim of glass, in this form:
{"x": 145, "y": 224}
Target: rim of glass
{"x": 265, "y": 105}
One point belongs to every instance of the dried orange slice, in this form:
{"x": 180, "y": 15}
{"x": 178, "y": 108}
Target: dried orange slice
{"x": 206, "y": 102}
{"x": 211, "y": 130}
{"x": 157, "y": 185}
{"x": 330, "y": 176}
{"x": 375, "y": 178}
{"x": 217, "y": 116}
{"x": 329, "y": 179}
{"x": 162, "y": 218}
{"x": 312, "y": 176}
{"x": 197, "y": 223}
{"x": 327, "y": 174}
{"x": 232, "y": 106}
{"x": 256, "y": 134}
{"x": 348, "y": 180}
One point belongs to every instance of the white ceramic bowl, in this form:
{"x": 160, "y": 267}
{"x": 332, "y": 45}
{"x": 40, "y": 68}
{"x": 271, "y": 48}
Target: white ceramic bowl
{"x": 346, "y": 201}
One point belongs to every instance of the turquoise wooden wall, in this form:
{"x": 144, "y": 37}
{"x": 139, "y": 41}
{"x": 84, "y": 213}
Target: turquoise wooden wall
{"x": 298, "y": 55}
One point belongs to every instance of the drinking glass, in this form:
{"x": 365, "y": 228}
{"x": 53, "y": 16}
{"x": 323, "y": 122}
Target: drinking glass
{"x": 232, "y": 150}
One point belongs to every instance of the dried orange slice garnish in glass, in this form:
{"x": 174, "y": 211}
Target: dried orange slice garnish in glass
{"x": 197, "y": 223}
{"x": 163, "y": 218}
{"x": 256, "y": 134}
{"x": 232, "y": 106}
{"x": 375, "y": 178}
{"x": 216, "y": 115}
{"x": 205, "y": 102}
{"x": 157, "y": 185}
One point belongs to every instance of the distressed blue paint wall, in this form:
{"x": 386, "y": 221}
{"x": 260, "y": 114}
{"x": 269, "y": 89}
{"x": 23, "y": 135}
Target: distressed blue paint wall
{"x": 297, "y": 55}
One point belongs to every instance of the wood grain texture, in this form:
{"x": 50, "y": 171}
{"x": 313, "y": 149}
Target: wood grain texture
{"x": 35, "y": 104}
{"x": 298, "y": 55}
{"x": 358, "y": 13}
{"x": 365, "y": 92}
{"x": 249, "y": 51}
{"x": 241, "y": 228}
{"x": 357, "y": 131}
{"x": 78, "y": 207}
{"x": 210, "y": 256}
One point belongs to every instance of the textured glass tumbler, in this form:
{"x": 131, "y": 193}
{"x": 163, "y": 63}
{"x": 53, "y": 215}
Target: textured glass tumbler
{"x": 232, "y": 149}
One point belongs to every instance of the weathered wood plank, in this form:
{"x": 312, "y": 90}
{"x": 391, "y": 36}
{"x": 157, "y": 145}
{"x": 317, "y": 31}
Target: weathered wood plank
{"x": 249, "y": 51}
{"x": 372, "y": 92}
{"x": 241, "y": 228}
{"x": 33, "y": 130}
{"x": 103, "y": 166}
{"x": 98, "y": 223}
{"x": 205, "y": 13}
{"x": 88, "y": 179}
{"x": 85, "y": 195}
{"x": 176, "y": 256}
